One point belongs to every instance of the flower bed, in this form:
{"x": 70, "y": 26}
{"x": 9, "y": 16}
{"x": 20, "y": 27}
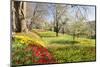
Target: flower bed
{"x": 30, "y": 51}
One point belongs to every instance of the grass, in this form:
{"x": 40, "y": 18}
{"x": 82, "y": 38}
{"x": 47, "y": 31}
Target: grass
{"x": 65, "y": 39}
{"x": 73, "y": 54}
{"x": 47, "y": 34}
{"x": 65, "y": 49}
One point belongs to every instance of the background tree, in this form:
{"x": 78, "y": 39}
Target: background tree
{"x": 60, "y": 11}
{"x": 78, "y": 24}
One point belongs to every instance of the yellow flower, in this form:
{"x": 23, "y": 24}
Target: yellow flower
{"x": 27, "y": 40}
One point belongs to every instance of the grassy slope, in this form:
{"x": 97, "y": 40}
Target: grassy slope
{"x": 65, "y": 49}
{"x": 50, "y": 39}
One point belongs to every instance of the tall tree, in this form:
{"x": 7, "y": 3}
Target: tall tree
{"x": 19, "y": 23}
{"x": 60, "y": 11}
{"x": 79, "y": 25}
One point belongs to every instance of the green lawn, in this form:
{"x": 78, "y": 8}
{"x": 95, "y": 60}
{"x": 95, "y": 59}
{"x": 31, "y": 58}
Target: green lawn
{"x": 51, "y": 39}
{"x": 65, "y": 49}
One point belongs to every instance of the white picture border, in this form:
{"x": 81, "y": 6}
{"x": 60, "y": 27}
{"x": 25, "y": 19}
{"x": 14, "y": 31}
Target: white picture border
{"x": 5, "y": 33}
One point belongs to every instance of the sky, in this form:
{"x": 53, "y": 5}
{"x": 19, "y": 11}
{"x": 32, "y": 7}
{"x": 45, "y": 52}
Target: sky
{"x": 90, "y": 11}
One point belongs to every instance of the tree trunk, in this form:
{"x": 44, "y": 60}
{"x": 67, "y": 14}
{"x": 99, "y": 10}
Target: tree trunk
{"x": 63, "y": 31}
{"x": 73, "y": 36}
{"x": 13, "y": 19}
{"x": 56, "y": 24}
{"x": 17, "y": 18}
{"x": 57, "y": 31}
{"x": 19, "y": 21}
